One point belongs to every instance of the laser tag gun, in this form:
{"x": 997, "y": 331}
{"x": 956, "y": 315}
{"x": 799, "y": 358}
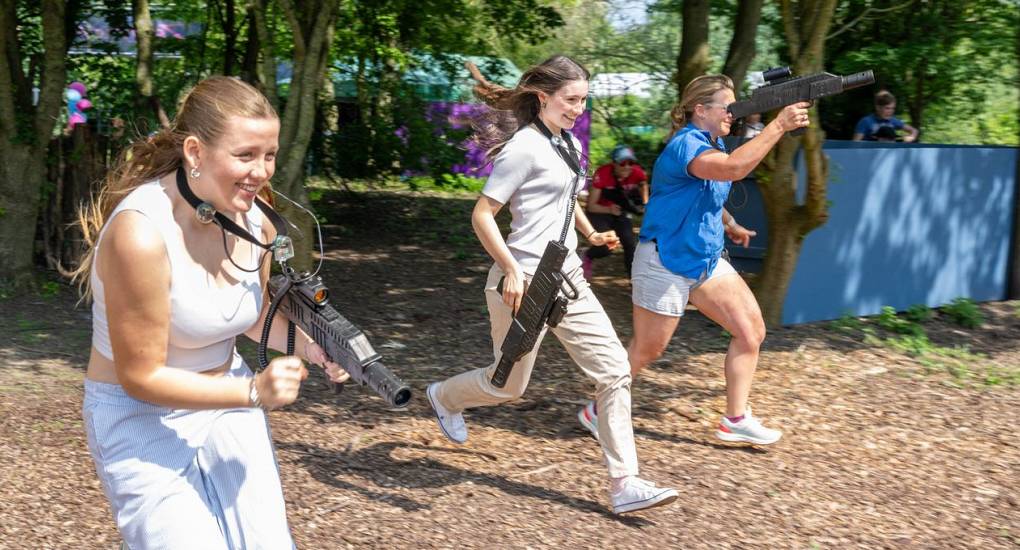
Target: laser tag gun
{"x": 781, "y": 88}
{"x": 542, "y": 304}
{"x": 617, "y": 196}
{"x": 304, "y": 301}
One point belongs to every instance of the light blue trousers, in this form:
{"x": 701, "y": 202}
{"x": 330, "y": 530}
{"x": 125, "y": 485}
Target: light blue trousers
{"x": 186, "y": 479}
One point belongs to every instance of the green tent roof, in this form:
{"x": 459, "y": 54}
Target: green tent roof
{"x": 434, "y": 78}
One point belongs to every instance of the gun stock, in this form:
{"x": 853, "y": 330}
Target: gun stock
{"x": 306, "y": 304}
{"x": 541, "y": 305}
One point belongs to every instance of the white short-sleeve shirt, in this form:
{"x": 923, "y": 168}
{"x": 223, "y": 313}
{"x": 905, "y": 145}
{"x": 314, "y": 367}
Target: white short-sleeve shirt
{"x": 537, "y": 184}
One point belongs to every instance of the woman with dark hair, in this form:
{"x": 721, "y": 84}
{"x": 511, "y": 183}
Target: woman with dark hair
{"x": 532, "y": 173}
{"x": 175, "y": 421}
{"x": 679, "y": 256}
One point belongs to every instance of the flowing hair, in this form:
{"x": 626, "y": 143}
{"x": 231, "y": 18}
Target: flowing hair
{"x": 513, "y": 108}
{"x": 204, "y": 113}
{"x": 699, "y": 91}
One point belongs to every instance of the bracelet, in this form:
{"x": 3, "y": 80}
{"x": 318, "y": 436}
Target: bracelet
{"x": 588, "y": 236}
{"x": 254, "y": 399}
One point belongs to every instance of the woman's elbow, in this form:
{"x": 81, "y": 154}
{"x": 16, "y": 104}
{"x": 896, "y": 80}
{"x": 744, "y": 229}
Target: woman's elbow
{"x": 134, "y": 387}
{"x": 135, "y": 383}
{"x": 739, "y": 171}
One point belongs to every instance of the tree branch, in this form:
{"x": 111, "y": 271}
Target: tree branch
{"x": 51, "y": 82}
{"x": 866, "y": 13}
{"x": 790, "y": 29}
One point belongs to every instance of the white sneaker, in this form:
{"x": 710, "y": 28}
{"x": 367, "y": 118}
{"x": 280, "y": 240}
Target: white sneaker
{"x": 452, "y": 424}
{"x": 638, "y": 494}
{"x": 589, "y": 419}
{"x": 748, "y": 430}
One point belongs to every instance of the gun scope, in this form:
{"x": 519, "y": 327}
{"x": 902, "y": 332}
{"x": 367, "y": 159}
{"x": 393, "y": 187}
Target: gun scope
{"x": 775, "y": 73}
{"x": 314, "y": 290}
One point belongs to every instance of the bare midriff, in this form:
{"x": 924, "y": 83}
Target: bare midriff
{"x": 102, "y": 369}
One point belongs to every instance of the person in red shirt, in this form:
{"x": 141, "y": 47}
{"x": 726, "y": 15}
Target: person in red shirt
{"x": 619, "y": 190}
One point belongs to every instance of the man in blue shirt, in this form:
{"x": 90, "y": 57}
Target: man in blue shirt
{"x": 882, "y": 122}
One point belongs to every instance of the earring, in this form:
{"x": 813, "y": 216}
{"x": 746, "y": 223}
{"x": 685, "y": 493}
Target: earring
{"x": 195, "y": 173}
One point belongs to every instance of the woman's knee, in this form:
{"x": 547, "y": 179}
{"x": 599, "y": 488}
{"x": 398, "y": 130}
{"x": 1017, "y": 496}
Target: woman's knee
{"x": 645, "y": 352}
{"x": 613, "y": 380}
{"x": 750, "y": 333}
{"x": 512, "y": 390}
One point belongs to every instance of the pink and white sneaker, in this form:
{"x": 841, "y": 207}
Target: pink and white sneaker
{"x": 748, "y": 430}
{"x": 589, "y": 419}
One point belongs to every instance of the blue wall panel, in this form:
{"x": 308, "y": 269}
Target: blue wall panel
{"x": 908, "y": 225}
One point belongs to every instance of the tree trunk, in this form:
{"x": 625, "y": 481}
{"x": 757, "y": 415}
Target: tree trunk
{"x": 1013, "y": 282}
{"x": 228, "y": 20}
{"x": 742, "y": 46}
{"x": 267, "y": 64}
{"x": 25, "y": 131}
{"x": 693, "y": 58}
{"x": 311, "y": 24}
{"x": 250, "y": 63}
{"x": 806, "y": 23}
{"x": 147, "y": 98}
{"x": 22, "y": 169}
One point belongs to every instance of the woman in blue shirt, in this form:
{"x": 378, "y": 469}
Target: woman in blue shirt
{"x": 679, "y": 257}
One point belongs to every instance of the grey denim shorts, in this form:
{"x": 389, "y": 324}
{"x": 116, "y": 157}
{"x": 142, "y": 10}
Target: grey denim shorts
{"x": 658, "y": 289}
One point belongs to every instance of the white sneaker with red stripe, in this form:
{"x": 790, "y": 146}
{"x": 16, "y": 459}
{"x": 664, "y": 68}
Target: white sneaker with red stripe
{"x": 589, "y": 419}
{"x": 748, "y": 430}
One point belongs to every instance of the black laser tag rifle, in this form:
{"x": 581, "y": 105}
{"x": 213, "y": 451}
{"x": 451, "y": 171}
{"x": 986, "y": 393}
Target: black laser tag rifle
{"x": 304, "y": 301}
{"x": 781, "y": 88}
{"x": 541, "y": 305}
{"x": 619, "y": 197}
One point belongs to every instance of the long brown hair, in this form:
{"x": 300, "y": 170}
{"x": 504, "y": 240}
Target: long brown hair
{"x": 204, "y": 114}
{"x": 517, "y": 106}
{"x": 698, "y": 91}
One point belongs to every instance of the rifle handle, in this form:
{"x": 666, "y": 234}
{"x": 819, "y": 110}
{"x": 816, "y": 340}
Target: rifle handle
{"x": 336, "y": 387}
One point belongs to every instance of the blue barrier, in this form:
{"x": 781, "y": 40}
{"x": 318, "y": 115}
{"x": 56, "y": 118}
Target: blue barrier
{"x": 908, "y": 224}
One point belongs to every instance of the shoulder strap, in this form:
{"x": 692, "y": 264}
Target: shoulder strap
{"x": 573, "y": 159}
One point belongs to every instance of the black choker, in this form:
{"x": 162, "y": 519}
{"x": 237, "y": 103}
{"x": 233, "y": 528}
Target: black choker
{"x": 282, "y": 246}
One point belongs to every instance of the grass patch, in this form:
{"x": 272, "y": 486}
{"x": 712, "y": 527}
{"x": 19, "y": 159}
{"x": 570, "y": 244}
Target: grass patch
{"x": 905, "y": 333}
{"x": 964, "y": 312}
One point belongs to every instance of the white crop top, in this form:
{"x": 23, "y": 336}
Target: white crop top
{"x": 204, "y": 319}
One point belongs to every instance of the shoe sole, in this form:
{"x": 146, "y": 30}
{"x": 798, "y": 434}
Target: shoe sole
{"x": 735, "y": 438}
{"x": 432, "y": 403}
{"x": 661, "y": 499}
{"x": 593, "y": 429}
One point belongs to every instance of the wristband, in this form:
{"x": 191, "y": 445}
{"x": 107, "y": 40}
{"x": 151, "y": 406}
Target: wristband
{"x": 588, "y": 236}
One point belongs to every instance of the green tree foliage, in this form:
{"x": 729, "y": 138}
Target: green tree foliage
{"x": 952, "y": 65}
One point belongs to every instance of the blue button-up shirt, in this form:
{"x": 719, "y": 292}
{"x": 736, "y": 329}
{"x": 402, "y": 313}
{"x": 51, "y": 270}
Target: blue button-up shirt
{"x": 684, "y": 213}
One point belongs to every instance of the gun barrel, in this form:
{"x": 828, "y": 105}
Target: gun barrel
{"x": 392, "y": 389}
{"x": 857, "y": 80}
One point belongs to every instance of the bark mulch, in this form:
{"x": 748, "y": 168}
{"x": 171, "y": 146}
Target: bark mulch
{"x": 882, "y": 448}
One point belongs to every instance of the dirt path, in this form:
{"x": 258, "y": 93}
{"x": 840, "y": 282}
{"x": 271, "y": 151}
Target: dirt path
{"x": 882, "y": 449}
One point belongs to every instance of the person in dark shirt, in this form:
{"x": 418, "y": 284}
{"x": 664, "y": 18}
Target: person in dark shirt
{"x": 879, "y": 125}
